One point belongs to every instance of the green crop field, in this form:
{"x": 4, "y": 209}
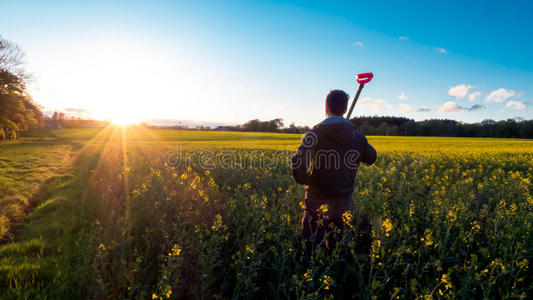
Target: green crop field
{"x": 128, "y": 212}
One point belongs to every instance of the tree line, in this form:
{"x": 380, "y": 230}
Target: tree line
{"x": 275, "y": 125}
{"x": 18, "y": 112}
{"x": 60, "y": 120}
{"x": 401, "y": 126}
{"x": 510, "y": 128}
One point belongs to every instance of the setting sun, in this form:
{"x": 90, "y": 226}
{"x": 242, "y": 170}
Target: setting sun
{"x": 124, "y": 119}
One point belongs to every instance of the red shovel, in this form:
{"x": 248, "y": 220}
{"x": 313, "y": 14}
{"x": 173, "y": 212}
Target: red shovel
{"x": 362, "y": 79}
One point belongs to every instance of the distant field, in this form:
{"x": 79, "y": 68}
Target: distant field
{"x": 264, "y": 140}
{"x": 450, "y": 217}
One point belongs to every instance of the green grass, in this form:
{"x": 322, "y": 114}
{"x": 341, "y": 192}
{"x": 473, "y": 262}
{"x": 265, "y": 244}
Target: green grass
{"x": 47, "y": 258}
{"x": 25, "y": 165}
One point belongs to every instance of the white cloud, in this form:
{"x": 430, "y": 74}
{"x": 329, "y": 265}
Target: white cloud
{"x": 460, "y": 91}
{"x": 377, "y": 104}
{"x": 450, "y": 107}
{"x": 403, "y": 96}
{"x": 381, "y": 105}
{"x": 515, "y": 105}
{"x": 403, "y": 38}
{"x": 406, "y": 108}
{"x": 473, "y": 96}
{"x": 499, "y": 95}
{"x": 441, "y": 50}
{"x": 359, "y": 44}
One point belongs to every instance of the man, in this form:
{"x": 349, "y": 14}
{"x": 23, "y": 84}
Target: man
{"x": 333, "y": 150}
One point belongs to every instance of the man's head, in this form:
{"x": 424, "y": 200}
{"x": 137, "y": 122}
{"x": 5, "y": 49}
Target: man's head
{"x": 336, "y": 103}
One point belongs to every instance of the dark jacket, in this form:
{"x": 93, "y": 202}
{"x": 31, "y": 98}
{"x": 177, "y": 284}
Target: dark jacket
{"x": 329, "y": 156}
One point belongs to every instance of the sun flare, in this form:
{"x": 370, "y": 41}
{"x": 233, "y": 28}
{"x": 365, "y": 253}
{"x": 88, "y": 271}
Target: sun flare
{"x": 124, "y": 120}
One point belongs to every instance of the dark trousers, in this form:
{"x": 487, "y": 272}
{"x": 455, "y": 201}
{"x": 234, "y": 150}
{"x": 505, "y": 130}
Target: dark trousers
{"x": 317, "y": 224}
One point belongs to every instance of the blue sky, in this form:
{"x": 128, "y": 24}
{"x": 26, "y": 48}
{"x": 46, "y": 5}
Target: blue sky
{"x": 231, "y": 61}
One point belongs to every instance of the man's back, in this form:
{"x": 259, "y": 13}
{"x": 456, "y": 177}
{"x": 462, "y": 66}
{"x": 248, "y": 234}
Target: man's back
{"x": 334, "y": 149}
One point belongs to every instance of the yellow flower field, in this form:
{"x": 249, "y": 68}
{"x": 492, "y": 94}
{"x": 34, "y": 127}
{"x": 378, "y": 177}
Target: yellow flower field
{"x": 174, "y": 214}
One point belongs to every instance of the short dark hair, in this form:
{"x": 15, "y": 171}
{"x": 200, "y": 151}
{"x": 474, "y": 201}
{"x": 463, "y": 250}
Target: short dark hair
{"x": 337, "y": 102}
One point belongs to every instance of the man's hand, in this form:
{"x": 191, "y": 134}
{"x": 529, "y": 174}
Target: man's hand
{"x": 369, "y": 155}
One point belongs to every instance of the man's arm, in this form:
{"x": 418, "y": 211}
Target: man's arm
{"x": 369, "y": 154}
{"x": 300, "y": 160}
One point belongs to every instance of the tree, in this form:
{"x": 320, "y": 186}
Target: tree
{"x": 487, "y": 126}
{"x": 394, "y": 130}
{"x": 267, "y": 126}
{"x": 18, "y": 112}
{"x": 9, "y": 129}
{"x": 409, "y": 128}
{"x": 383, "y": 129}
{"x": 367, "y": 129}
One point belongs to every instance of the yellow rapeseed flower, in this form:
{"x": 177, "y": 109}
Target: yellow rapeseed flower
{"x": 302, "y": 205}
{"x": 327, "y": 280}
{"x": 428, "y": 238}
{"x": 446, "y": 281}
{"x": 217, "y": 223}
{"x": 387, "y": 225}
{"x": 323, "y": 208}
{"x": 308, "y": 276}
{"x": 249, "y": 250}
{"x": 347, "y": 218}
{"x": 176, "y": 251}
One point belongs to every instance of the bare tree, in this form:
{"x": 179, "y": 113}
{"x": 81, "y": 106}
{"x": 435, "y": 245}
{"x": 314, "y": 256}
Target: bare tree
{"x": 13, "y": 76}
{"x": 10, "y": 56}
{"x": 18, "y": 112}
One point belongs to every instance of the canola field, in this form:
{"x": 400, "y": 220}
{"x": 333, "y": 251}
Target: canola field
{"x": 167, "y": 214}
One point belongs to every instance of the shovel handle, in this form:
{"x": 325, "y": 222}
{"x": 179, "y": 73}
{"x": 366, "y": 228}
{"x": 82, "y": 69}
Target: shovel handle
{"x": 361, "y": 79}
{"x": 354, "y": 101}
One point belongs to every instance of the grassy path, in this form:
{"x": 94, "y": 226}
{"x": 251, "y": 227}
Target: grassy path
{"x": 25, "y": 168}
{"x": 47, "y": 257}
